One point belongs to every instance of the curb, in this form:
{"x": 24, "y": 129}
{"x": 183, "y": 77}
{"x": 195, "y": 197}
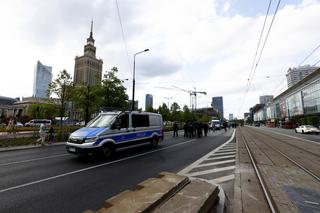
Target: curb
{"x": 14, "y": 148}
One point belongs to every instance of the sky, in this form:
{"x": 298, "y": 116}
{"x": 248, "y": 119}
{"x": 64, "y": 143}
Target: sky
{"x": 203, "y": 45}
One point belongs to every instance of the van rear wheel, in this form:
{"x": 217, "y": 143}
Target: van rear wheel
{"x": 155, "y": 142}
{"x": 107, "y": 151}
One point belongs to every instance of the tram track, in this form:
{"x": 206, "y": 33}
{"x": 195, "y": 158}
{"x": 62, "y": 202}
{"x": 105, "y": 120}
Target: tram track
{"x": 266, "y": 194}
{"x": 317, "y": 177}
{"x": 277, "y": 173}
{"x": 288, "y": 143}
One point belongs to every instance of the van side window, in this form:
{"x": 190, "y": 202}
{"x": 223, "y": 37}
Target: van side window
{"x": 124, "y": 119}
{"x": 140, "y": 120}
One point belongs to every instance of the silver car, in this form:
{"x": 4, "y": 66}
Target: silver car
{"x": 307, "y": 129}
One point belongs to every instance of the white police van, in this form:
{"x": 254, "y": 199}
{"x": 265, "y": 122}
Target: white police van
{"x": 116, "y": 129}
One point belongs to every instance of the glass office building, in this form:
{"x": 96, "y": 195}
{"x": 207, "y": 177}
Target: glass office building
{"x": 301, "y": 99}
{"x": 217, "y": 105}
{"x": 42, "y": 79}
{"x": 149, "y": 101}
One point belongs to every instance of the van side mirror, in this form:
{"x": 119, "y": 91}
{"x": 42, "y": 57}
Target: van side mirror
{"x": 116, "y": 125}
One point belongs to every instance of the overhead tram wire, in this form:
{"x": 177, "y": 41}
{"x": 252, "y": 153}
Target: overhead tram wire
{"x": 261, "y": 51}
{"x": 316, "y": 62}
{"x": 309, "y": 56}
{"x": 264, "y": 43}
{"x": 262, "y": 30}
{"x": 123, "y": 37}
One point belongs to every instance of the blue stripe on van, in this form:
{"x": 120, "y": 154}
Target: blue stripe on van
{"x": 129, "y": 136}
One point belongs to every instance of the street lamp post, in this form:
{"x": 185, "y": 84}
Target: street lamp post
{"x": 168, "y": 98}
{"x": 134, "y": 73}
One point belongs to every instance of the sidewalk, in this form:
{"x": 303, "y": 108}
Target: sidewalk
{"x": 13, "y": 148}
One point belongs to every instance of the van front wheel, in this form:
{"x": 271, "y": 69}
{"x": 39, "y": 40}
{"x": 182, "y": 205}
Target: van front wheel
{"x": 155, "y": 142}
{"x": 107, "y": 151}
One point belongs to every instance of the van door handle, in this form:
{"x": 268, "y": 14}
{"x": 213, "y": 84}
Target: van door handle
{"x": 133, "y": 130}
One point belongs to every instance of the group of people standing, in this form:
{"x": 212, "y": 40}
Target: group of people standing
{"x": 43, "y": 131}
{"x": 195, "y": 128}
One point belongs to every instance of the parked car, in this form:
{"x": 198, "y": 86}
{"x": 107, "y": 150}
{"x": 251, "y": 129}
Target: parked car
{"x": 19, "y": 124}
{"x": 257, "y": 124}
{"x": 307, "y": 129}
{"x": 38, "y": 122}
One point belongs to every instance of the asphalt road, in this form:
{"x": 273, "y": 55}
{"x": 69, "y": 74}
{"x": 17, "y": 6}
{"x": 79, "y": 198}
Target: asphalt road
{"x": 291, "y": 132}
{"x": 48, "y": 179}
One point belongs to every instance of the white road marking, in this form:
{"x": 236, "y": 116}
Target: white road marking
{"x": 196, "y": 163}
{"x": 311, "y": 202}
{"x": 211, "y": 171}
{"x": 223, "y": 179}
{"x": 225, "y": 151}
{"x": 90, "y": 168}
{"x": 215, "y": 163}
{"x": 222, "y": 157}
{"x": 222, "y": 154}
{"x": 34, "y": 159}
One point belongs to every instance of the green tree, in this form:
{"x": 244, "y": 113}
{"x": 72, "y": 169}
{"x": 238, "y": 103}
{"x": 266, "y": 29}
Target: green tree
{"x": 87, "y": 98}
{"x": 204, "y": 118}
{"x": 164, "y": 111}
{"x": 61, "y": 87}
{"x": 150, "y": 109}
{"x": 113, "y": 92}
{"x": 175, "y": 112}
{"x": 43, "y": 111}
{"x": 187, "y": 115}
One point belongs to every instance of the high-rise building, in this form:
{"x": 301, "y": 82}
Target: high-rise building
{"x": 230, "y": 117}
{"x": 87, "y": 68}
{"x": 266, "y": 99}
{"x": 296, "y": 74}
{"x": 42, "y": 79}
{"x": 149, "y": 101}
{"x": 217, "y": 104}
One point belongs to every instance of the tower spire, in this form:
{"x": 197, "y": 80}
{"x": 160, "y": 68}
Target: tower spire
{"x": 91, "y": 28}
{"x": 90, "y": 40}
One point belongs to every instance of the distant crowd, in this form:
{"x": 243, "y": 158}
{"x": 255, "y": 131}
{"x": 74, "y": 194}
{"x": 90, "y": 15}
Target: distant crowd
{"x": 198, "y": 129}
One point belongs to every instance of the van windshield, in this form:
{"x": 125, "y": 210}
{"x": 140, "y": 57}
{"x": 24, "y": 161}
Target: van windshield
{"x": 101, "y": 121}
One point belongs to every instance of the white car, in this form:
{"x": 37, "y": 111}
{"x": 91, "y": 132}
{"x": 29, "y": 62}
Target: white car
{"x": 19, "y": 124}
{"x": 307, "y": 129}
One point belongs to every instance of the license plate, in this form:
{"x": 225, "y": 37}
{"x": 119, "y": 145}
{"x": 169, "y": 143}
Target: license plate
{"x": 71, "y": 149}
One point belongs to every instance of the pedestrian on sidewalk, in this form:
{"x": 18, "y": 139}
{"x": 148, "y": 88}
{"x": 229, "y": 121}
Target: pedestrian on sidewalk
{"x": 42, "y": 134}
{"x": 51, "y": 134}
{"x": 11, "y": 127}
{"x": 175, "y": 129}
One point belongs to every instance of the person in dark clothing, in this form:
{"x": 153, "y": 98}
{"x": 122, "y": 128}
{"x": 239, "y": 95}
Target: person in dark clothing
{"x": 51, "y": 136}
{"x": 186, "y": 129}
{"x": 175, "y": 129}
{"x": 199, "y": 129}
{"x": 191, "y": 129}
{"x": 205, "y": 128}
{"x": 225, "y": 126}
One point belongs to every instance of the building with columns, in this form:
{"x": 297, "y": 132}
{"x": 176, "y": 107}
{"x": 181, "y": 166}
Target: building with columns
{"x": 87, "y": 68}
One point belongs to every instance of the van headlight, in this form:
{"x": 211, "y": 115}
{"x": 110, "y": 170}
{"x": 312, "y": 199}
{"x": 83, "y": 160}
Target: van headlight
{"x": 91, "y": 140}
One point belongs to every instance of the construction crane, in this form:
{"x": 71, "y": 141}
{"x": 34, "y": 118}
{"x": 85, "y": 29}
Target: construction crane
{"x": 192, "y": 93}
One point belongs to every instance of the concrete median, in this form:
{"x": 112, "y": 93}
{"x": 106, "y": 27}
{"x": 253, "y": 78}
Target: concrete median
{"x": 166, "y": 193}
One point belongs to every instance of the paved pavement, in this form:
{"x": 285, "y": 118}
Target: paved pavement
{"x": 51, "y": 180}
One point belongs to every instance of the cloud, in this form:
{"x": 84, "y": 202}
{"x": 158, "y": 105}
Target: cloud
{"x": 159, "y": 66}
{"x": 202, "y": 44}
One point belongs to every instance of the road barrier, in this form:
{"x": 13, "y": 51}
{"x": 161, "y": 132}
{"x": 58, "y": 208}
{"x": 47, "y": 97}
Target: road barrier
{"x": 166, "y": 193}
